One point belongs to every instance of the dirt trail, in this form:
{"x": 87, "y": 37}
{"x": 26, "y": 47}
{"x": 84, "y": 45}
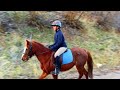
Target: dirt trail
{"x": 97, "y": 73}
{"x": 107, "y": 74}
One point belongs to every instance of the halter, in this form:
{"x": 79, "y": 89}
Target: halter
{"x": 30, "y": 49}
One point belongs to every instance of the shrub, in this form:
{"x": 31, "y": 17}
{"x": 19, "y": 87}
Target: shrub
{"x": 72, "y": 21}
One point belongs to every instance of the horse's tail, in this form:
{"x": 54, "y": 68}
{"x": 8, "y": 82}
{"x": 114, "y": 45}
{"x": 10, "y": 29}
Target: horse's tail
{"x": 90, "y": 65}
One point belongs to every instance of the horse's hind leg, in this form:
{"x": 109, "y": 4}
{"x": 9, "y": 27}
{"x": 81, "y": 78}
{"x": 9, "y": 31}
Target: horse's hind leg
{"x": 55, "y": 76}
{"x": 80, "y": 71}
{"x": 85, "y": 73}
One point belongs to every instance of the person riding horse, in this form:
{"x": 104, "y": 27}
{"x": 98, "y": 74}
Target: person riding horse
{"x": 59, "y": 46}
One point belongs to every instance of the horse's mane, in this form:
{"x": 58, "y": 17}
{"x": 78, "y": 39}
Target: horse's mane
{"x": 39, "y": 44}
{"x": 33, "y": 41}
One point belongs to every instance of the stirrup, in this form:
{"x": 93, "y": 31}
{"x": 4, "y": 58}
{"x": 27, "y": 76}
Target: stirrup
{"x": 55, "y": 72}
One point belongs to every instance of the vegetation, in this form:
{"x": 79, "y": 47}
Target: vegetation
{"x": 103, "y": 45}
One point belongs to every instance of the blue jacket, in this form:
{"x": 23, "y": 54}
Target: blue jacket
{"x": 59, "y": 41}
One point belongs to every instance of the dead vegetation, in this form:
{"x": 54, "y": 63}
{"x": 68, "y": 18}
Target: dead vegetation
{"x": 72, "y": 19}
{"x": 33, "y": 20}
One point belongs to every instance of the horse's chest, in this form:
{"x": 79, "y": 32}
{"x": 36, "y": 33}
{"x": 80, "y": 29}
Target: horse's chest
{"x": 45, "y": 67}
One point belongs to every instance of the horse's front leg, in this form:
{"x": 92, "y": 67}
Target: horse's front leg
{"x": 43, "y": 75}
{"x": 55, "y": 76}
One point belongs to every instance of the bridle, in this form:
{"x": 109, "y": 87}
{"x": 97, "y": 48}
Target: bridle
{"x": 30, "y": 50}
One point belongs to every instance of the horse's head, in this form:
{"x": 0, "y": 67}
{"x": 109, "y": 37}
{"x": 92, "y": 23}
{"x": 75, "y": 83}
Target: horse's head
{"x": 27, "y": 53}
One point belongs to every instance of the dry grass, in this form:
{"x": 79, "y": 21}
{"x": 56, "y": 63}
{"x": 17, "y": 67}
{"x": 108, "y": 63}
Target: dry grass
{"x": 103, "y": 46}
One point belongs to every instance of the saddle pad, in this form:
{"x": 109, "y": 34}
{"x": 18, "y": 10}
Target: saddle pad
{"x": 67, "y": 57}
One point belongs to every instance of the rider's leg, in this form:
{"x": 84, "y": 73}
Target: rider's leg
{"x": 57, "y": 61}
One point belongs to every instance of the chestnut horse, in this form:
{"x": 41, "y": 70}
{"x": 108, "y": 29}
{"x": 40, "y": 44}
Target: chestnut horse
{"x": 45, "y": 57}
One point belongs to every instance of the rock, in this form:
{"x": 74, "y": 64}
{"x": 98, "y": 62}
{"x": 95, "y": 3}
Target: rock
{"x": 1, "y": 48}
{"x": 99, "y": 65}
{"x": 6, "y": 22}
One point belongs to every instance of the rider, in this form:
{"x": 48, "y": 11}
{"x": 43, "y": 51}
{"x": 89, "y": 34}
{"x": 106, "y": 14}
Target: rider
{"x": 59, "y": 45}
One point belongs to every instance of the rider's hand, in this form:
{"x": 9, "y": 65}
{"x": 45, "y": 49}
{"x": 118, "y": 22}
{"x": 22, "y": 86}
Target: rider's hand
{"x": 48, "y": 46}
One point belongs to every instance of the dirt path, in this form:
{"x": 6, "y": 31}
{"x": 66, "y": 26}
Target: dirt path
{"x": 107, "y": 74}
{"x": 98, "y": 74}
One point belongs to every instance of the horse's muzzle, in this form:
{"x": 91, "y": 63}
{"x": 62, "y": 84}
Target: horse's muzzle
{"x": 24, "y": 59}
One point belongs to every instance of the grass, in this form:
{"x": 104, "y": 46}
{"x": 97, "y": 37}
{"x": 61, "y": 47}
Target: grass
{"x": 103, "y": 46}
{"x": 13, "y": 43}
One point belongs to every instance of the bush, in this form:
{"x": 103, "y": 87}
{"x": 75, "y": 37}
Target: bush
{"x": 34, "y": 21}
{"x": 70, "y": 19}
{"x": 104, "y": 20}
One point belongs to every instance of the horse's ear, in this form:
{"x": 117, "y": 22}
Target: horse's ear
{"x": 27, "y": 42}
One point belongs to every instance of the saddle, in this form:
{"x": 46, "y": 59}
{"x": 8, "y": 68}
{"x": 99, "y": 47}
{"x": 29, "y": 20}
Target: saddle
{"x": 53, "y": 59}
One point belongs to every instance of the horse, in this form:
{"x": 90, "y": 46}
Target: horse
{"x": 46, "y": 56}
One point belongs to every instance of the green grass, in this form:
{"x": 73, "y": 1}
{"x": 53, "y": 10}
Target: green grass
{"x": 13, "y": 44}
{"x": 103, "y": 46}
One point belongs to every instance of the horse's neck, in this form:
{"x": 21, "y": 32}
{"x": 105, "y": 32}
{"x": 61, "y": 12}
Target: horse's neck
{"x": 44, "y": 58}
{"x": 42, "y": 53}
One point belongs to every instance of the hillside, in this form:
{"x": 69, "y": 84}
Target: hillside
{"x": 103, "y": 44}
